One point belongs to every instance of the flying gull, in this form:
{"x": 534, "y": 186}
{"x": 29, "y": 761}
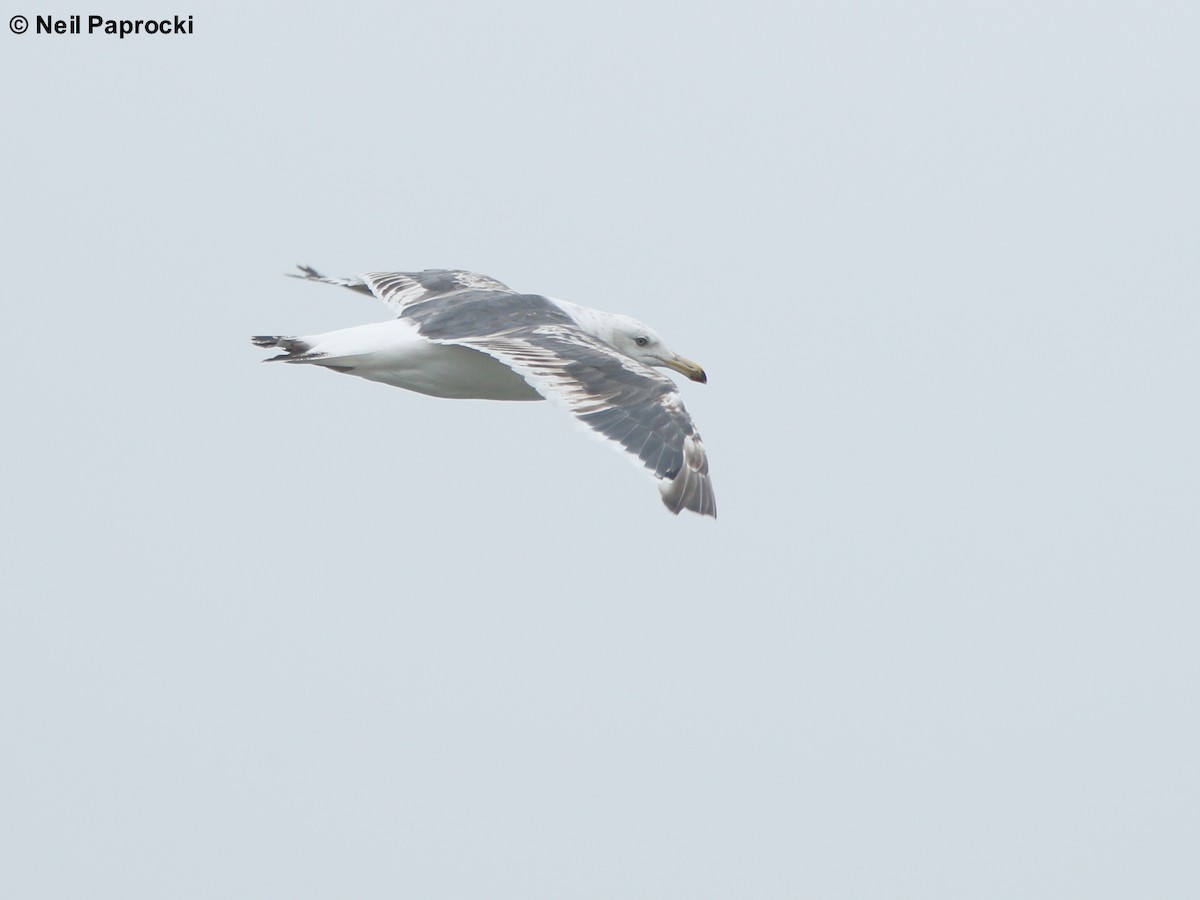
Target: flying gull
{"x": 462, "y": 335}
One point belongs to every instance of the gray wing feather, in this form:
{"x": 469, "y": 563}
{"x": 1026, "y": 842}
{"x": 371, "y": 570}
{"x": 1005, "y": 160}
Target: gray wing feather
{"x": 308, "y": 273}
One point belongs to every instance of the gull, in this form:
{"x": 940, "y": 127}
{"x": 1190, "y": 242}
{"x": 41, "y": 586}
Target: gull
{"x": 462, "y": 335}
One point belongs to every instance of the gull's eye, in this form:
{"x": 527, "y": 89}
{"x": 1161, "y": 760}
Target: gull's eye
{"x": 641, "y": 341}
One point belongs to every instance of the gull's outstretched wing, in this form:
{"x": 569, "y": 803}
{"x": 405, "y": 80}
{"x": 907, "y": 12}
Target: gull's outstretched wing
{"x": 400, "y": 290}
{"x": 616, "y": 396}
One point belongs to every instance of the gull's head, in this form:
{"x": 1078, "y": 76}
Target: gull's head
{"x": 646, "y": 345}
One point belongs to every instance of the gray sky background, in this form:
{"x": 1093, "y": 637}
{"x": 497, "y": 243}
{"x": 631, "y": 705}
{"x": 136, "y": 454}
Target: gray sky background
{"x": 270, "y": 632}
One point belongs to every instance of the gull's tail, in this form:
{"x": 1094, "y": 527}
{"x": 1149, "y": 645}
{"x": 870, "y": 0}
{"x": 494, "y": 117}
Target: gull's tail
{"x": 343, "y": 350}
{"x": 298, "y": 350}
{"x": 294, "y": 349}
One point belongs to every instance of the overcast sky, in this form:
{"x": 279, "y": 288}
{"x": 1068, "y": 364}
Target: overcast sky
{"x": 273, "y": 632}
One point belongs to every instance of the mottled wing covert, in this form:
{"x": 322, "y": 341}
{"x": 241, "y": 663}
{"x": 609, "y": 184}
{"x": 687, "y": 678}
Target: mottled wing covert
{"x": 400, "y": 290}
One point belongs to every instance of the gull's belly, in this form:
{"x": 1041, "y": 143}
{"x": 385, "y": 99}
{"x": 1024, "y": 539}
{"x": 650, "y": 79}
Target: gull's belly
{"x": 445, "y": 371}
{"x": 394, "y": 353}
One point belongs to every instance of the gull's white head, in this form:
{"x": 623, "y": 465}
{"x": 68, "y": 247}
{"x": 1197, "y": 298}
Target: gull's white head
{"x": 633, "y": 338}
{"x": 646, "y": 345}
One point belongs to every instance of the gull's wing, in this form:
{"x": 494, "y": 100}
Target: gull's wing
{"x": 400, "y": 290}
{"x": 616, "y": 396}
